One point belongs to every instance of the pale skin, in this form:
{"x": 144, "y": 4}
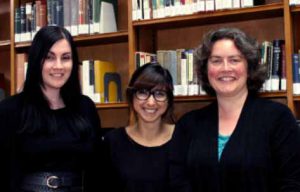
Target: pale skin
{"x": 56, "y": 71}
{"x": 150, "y": 130}
{"x": 227, "y": 72}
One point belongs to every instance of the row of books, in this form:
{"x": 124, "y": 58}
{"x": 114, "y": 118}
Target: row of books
{"x": 294, "y": 2}
{"x": 296, "y": 73}
{"x": 100, "y": 81}
{"x": 77, "y": 16}
{"x": 273, "y": 57}
{"x": 181, "y": 66}
{"x": 151, "y": 9}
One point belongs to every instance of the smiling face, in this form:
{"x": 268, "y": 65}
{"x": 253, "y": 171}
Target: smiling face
{"x": 57, "y": 66}
{"x": 227, "y": 69}
{"x": 149, "y": 110}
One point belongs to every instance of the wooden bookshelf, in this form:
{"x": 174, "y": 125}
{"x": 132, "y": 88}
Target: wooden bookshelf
{"x": 154, "y": 34}
{"x": 295, "y": 27}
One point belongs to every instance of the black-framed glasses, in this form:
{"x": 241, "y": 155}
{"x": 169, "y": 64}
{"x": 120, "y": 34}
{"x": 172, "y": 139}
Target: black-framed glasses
{"x": 144, "y": 94}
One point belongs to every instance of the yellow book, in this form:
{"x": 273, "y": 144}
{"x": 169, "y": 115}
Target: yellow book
{"x": 102, "y": 67}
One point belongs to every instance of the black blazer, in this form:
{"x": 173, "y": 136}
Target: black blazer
{"x": 262, "y": 154}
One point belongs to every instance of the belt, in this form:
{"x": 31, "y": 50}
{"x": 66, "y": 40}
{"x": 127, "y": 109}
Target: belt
{"x": 52, "y": 181}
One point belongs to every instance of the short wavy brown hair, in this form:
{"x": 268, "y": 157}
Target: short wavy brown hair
{"x": 248, "y": 46}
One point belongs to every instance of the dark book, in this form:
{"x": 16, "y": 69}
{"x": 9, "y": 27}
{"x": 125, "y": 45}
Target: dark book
{"x": 283, "y": 68}
{"x": 17, "y": 24}
{"x": 50, "y": 11}
{"x": 296, "y": 74}
{"x": 112, "y": 87}
{"x": 23, "y": 22}
{"x": 276, "y": 63}
{"x": 59, "y": 13}
{"x": 33, "y": 22}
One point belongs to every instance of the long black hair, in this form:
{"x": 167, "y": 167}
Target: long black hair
{"x": 36, "y": 111}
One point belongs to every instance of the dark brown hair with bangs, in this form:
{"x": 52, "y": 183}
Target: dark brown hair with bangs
{"x": 149, "y": 76}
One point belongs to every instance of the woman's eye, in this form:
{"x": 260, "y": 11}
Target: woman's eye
{"x": 66, "y": 58}
{"x": 50, "y": 57}
{"x": 216, "y": 61}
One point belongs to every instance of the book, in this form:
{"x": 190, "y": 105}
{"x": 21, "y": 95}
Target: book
{"x": 21, "y": 71}
{"x": 108, "y": 15}
{"x": 276, "y": 64}
{"x": 296, "y": 73}
{"x": 101, "y": 68}
{"x": 112, "y": 87}
{"x": 18, "y": 24}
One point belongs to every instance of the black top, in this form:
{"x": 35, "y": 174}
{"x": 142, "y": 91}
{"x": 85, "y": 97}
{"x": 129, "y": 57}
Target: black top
{"x": 139, "y": 168}
{"x": 63, "y": 151}
{"x": 262, "y": 154}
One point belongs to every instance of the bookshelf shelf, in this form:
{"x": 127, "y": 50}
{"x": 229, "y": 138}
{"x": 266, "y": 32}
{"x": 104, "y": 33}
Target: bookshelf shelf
{"x": 295, "y": 8}
{"x": 277, "y": 94}
{"x": 85, "y": 40}
{"x": 204, "y": 18}
{"x": 5, "y": 45}
{"x": 111, "y": 105}
{"x": 193, "y": 98}
{"x": 116, "y": 37}
{"x": 296, "y": 97}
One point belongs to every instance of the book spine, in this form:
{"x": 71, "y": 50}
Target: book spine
{"x": 17, "y": 24}
{"x": 296, "y": 73}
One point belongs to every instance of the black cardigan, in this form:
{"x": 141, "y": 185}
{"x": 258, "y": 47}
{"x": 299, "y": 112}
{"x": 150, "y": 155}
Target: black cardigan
{"x": 262, "y": 154}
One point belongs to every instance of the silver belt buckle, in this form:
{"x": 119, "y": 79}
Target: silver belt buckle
{"x": 48, "y": 182}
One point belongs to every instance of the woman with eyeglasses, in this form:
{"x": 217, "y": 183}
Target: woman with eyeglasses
{"x": 138, "y": 153}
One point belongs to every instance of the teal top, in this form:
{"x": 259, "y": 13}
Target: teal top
{"x": 222, "y": 140}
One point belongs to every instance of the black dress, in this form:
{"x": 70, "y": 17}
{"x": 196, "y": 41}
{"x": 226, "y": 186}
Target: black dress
{"x": 64, "y": 151}
{"x": 136, "y": 168}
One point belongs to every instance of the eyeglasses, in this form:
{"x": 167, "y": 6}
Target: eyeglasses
{"x": 144, "y": 94}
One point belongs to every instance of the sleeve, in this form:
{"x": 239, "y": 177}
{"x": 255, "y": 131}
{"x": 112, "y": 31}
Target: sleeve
{"x": 8, "y": 163}
{"x": 92, "y": 172}
{"x": 285, "y": 144}
{"x": 179, "y": 181}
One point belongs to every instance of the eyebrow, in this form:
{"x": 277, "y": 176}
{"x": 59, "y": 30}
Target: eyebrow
{"x": 66, "y": 53}
{"x": 231, "y": 56}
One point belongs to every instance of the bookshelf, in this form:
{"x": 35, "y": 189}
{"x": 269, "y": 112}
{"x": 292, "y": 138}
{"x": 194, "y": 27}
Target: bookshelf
{"x": 295, "y": 25}
{"x": 154, "y": 34}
